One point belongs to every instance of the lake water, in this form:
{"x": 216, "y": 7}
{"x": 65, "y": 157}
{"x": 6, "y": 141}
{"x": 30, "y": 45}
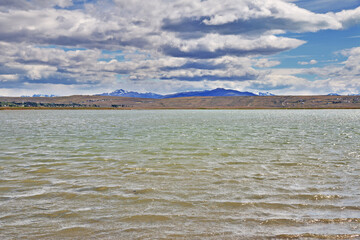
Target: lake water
{"x": 180, "y": 174}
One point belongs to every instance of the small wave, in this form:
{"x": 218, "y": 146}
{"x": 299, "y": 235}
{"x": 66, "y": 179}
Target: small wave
{"x": 227, "y": 181}
{"x": 288, "y": 164}
{"x": 149, "y": 152}
{"x": 136, "y": 170}
{"x": 27, "y": 194}
{"x": 278, "y": 205}
{"x": 42, "y": 170}
{"x": 182, "y": 203}
{"x": 205, "y": 235}
{"x": 162, "y": 173}
{"x": 301, "y": 197}
{"x": 101, "y": 189}
{"x": 6, "y": 216}
{"x": 5, "y": 189}
{"x": 287, "y": 222}
{"x": 232, "y": 204}
{"x": 313, "y": 197}
{"x": 46, "y": 195}
{"x": 238, "y": 163}
{"x": 5, "y": 198}
{"x": 225, "y": 154}
{"x": 200, "y": 154}
{"x": 33, "y": 182}
{"x": 316, "y": 197}
{"x": 335, "y": 220}
{"x": 58, "y": 214}
{"x": 316, "y": 236}
{"x": 146, "y": 218}
{"x": 74, "y": 231}
{"x": 143, "y": 191}
{"x": 96, "y": 189}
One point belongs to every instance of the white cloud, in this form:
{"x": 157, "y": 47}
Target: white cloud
{"x": 311, "y": 62}
{"x": 325, "y": 5}
{"x": 348, "y": 17}
{"x": 187, "y": 41}
{"x": 266, "y": 63}
{"x": 342, "y": 79}
{"x": 215, "y": 45}
{"x": 130, "y": 23}
{"x": 8, "y": 77}
{"x": 33, "y": 4}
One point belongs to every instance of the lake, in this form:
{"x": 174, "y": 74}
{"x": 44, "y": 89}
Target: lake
{"x": 179, "y": 174}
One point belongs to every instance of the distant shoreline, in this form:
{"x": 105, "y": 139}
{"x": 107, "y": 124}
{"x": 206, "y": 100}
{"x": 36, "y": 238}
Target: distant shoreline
{"x": 127, "y": 103}
{"x": 127, "y": 109}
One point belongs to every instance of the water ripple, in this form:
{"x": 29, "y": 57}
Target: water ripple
{"x": 220, "y": 174}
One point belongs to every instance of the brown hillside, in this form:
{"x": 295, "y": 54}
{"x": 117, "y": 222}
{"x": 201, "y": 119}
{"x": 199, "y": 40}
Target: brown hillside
{"x": 241, "y": 102}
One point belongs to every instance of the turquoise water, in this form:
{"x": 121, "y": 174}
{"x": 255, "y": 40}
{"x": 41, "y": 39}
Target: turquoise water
{"x": 180, "y": 174}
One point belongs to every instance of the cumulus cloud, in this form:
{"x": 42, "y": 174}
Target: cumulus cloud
{"x": 311, "y": 62}
{"x": 348, "y": 17}
{"x": 33, "y": 4}
{"x": 326, "y": 5}
{"x": 247, "y": 17}
{"x": 61, "y": 27}
{"x": 130, "y": 23}
{"x": 48, "y": 65}
{"x": 343, "y": 78}
{"x": 46, "y": 42}
{"x": 266, "y": 63}
{"x": 214, "y": 45}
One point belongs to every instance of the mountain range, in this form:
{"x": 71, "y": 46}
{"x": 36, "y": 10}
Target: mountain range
{"x": 124, "y": 93}
{"x": 218, "y": 92}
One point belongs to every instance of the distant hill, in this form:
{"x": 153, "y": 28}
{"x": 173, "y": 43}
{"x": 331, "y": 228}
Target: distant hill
{"x": 40, "y": 95}
{"x": 265, "y": 94}
{"x": 123, "y": 93}
{"x": 43, "y": 95}
{"x": 218, "y": 92}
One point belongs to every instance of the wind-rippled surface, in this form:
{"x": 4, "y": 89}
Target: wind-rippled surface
{"x": 182, "y": 174}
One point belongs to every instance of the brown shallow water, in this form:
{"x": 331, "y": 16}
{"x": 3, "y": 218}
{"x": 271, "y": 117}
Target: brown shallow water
{"x": 180, "y": 174}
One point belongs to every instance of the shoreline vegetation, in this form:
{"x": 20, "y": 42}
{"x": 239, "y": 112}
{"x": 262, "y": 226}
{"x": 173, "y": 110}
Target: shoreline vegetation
{"x": 234, "y": 102}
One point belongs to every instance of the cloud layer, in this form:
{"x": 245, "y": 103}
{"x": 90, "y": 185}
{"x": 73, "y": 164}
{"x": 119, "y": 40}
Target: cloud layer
{"x": 164, "y": 46}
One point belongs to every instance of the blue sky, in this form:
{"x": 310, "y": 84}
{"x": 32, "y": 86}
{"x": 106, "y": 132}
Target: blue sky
{"x": 286, "y": 47}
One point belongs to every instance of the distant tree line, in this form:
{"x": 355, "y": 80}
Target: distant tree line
{"x": 55, "y": 105}
{"x": 119, "y": 105}
{"x": 35, "y": 104}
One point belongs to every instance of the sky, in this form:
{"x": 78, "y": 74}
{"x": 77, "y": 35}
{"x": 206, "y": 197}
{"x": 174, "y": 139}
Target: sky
{"x": 286, "y": 47}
